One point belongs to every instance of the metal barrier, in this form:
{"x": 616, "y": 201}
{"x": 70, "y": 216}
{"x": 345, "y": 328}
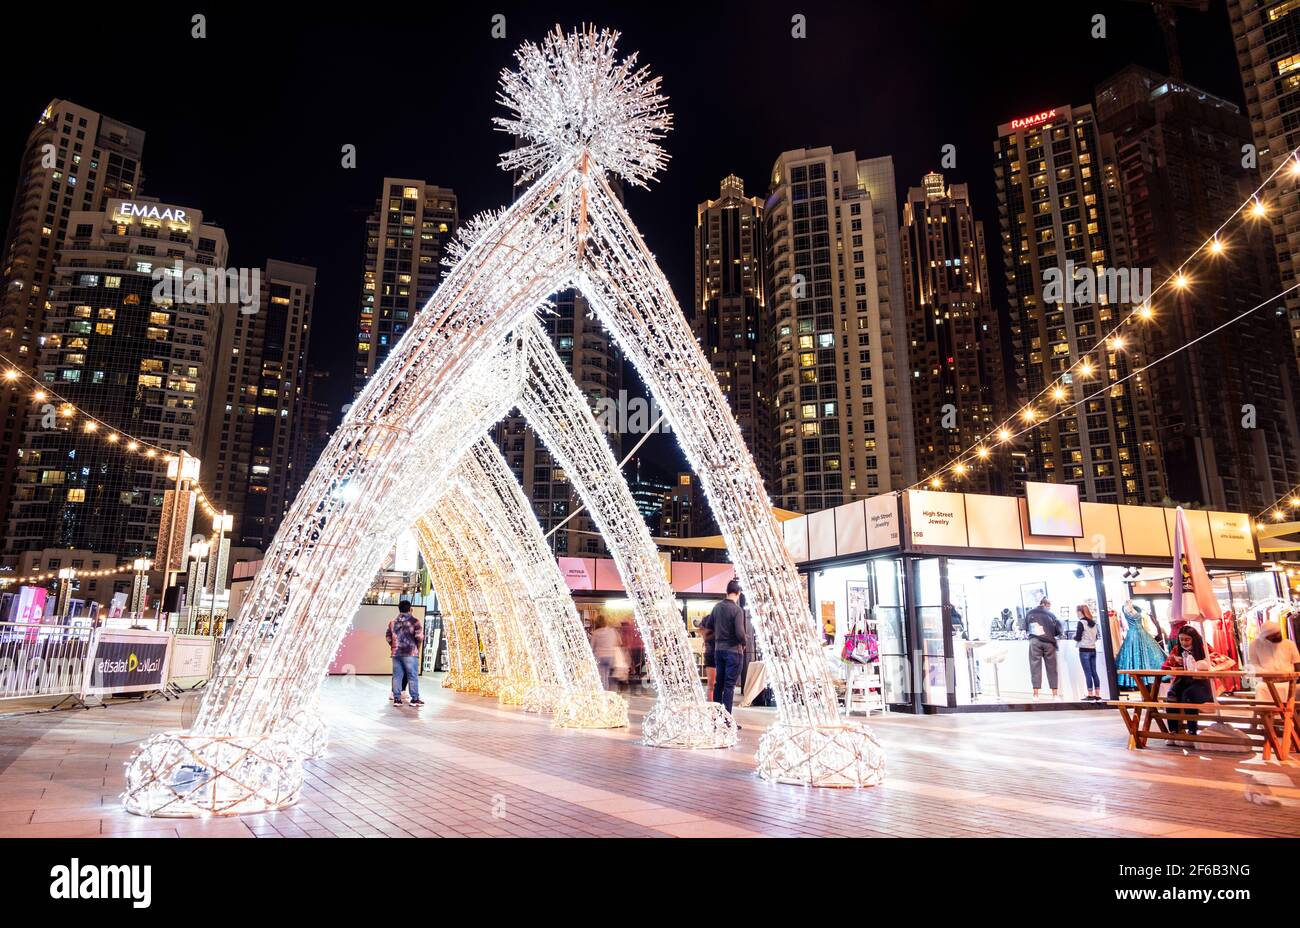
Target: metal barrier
{"x": 42, "y": 660}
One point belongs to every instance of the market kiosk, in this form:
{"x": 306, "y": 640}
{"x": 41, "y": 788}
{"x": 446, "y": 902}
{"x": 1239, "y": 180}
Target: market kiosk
{"x": 945, "y": 580}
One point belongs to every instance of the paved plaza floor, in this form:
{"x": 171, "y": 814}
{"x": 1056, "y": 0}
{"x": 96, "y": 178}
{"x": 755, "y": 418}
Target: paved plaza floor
{"x": 466, "y": 766}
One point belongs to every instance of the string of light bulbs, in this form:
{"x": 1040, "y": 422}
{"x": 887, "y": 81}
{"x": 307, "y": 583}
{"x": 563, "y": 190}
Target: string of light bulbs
{"x": 1179, "y": 280}
{"x": 95, "y": 426}
{"x": 49, "y": 575}
{"x": 1146, "y": 367}
{"x": 1290, "y": 498}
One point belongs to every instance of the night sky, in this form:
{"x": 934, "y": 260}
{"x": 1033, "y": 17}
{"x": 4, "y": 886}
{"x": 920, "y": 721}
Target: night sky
{"x": 247, "y": 124}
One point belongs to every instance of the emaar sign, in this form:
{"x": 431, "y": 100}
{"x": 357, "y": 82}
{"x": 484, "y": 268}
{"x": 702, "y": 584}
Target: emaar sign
{"x": 129, "y": 210}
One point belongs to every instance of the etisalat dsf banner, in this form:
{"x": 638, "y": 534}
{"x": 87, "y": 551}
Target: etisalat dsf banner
{"x": 127, "y": 661}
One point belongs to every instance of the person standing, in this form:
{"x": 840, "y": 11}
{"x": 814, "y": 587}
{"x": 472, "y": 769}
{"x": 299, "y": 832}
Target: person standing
{"x": 1044, "y": 628}
{"x": 730, "y": 632}
{"x": 1086, "y": 634}
{"x": 604, "y": 644}
{"x": 405, "y": 634}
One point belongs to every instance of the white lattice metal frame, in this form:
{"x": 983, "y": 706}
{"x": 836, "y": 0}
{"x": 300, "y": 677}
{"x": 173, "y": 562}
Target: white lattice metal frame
{"x": 570, "y": 687}
{"x": 466, "y": 660}
{"x": 580, "y": 112}
{"x": 558, "y": 413}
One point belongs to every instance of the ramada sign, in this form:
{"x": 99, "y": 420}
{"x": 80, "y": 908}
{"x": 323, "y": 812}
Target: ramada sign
{"x": 150, "y": 211}
{"x": 1034, "y": 120}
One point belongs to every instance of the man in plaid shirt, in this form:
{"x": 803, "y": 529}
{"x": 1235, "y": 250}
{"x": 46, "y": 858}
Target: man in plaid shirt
{"x": 405, "y": 634}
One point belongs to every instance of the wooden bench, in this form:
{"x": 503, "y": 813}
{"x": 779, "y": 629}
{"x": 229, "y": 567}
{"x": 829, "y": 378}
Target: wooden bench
{"x": 1257, "y": 720}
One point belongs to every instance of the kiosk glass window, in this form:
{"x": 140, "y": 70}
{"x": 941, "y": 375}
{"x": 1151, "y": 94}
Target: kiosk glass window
{"x": 864, "y": 596}
{"x": 991, "y": 628}
{"x": 932, "y": 627}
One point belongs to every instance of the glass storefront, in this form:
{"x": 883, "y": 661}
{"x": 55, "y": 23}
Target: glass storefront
{"x": 865, "y": 597}
{"x": 989, "y": 629}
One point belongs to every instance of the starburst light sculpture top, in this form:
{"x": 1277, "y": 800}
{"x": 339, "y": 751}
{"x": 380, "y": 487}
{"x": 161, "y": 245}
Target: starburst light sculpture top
{"x": 571, "y": 95}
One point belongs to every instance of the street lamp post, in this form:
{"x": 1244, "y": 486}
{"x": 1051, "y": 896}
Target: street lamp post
{"x": 197, "y": 578}
{"x": 139, "y": 587}
{"x": 217, "y": 566}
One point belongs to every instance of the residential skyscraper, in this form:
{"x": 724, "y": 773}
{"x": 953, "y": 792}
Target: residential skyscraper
{"x": 1267, "y": 38}
{"x": 835, "y": 291}
{"x": 75, "y": 159}
{"x": 258, "y": 404}
{"x": 138, "y": 360}
{"x": 405, "y": 236}
{"x": 1059, "y": 211}
{"x": 954, "y": 342}
{"x": 315, "y": 425}
{"x": 1178, "y": 153}
{"x": 730, "y": 313}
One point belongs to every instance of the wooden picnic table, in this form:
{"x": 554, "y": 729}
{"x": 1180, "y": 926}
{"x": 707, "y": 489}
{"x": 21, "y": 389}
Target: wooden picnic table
{"x": 1148, "y": 683}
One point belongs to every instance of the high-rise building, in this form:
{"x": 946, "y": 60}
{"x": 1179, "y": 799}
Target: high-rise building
{"x": 838, "y": 333}
{"x": 650, "y": 492}
{"x": 1178, "y": 154}
{"x": 316, "y": 422}
{"x": 679, "y": 519}
{"x": 405, "y": 236}
{"x": 258, "y": 404}
{"x": 730, "y": 314}
{"x": 587, "y": 351}
{"x": 1267, "y": 37}
{"x": 129, "y": 339}
{"x": 75, "y": 159}
{"x": 1060, "y": 217}
{"x": 954, "y": 342}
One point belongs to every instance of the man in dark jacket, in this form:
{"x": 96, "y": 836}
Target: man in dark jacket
{"x": 730, "y": 631}
{"x": 1044, "y": 628}
{"x": 404, "y": 635}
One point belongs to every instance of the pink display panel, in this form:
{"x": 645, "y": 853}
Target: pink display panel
{"x": 579, "y": 572}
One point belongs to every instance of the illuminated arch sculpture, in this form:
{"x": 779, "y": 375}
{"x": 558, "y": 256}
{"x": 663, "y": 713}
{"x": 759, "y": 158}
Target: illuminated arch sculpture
{"x": 579, "y": 113}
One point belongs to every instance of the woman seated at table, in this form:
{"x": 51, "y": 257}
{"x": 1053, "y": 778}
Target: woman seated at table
{"x": 1188, "y": 653}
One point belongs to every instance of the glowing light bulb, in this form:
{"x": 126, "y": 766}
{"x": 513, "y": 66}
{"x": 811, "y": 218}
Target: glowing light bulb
{"x": 131, "y": 446}
{"x": 1145, "y": 310}
{"x": 1029, "y": 415}
{"x": 1216, "y": 246}
{"x": 1058, "y": 393}
{"x": 112, "y": 437}
{"x": 91, "y": 426}
{"x": 11, "y": 375}
{"x": 1259, "y": 210}
{"x": 1180, "y": 281}
{"x": 959, "y": 468}
{"x": 1004, "y": 435}
{"x": 935, "y": 483}
{"x": 1116, "y": 343}
{"x": 1277, "y": 515}
{"x": 39, "y": 396}
{"x": 1085, "y": 369}
{"x": 982, "y": 451}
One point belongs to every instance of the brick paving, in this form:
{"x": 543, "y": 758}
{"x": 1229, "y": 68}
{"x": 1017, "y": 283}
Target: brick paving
{"x": 465, "y": 766}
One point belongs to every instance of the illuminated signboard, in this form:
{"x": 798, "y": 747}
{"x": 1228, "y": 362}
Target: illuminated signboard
{"x": 1054, "y": 509}
{"x": 1027, "y": 121}
{"x": 151, "y": 211}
